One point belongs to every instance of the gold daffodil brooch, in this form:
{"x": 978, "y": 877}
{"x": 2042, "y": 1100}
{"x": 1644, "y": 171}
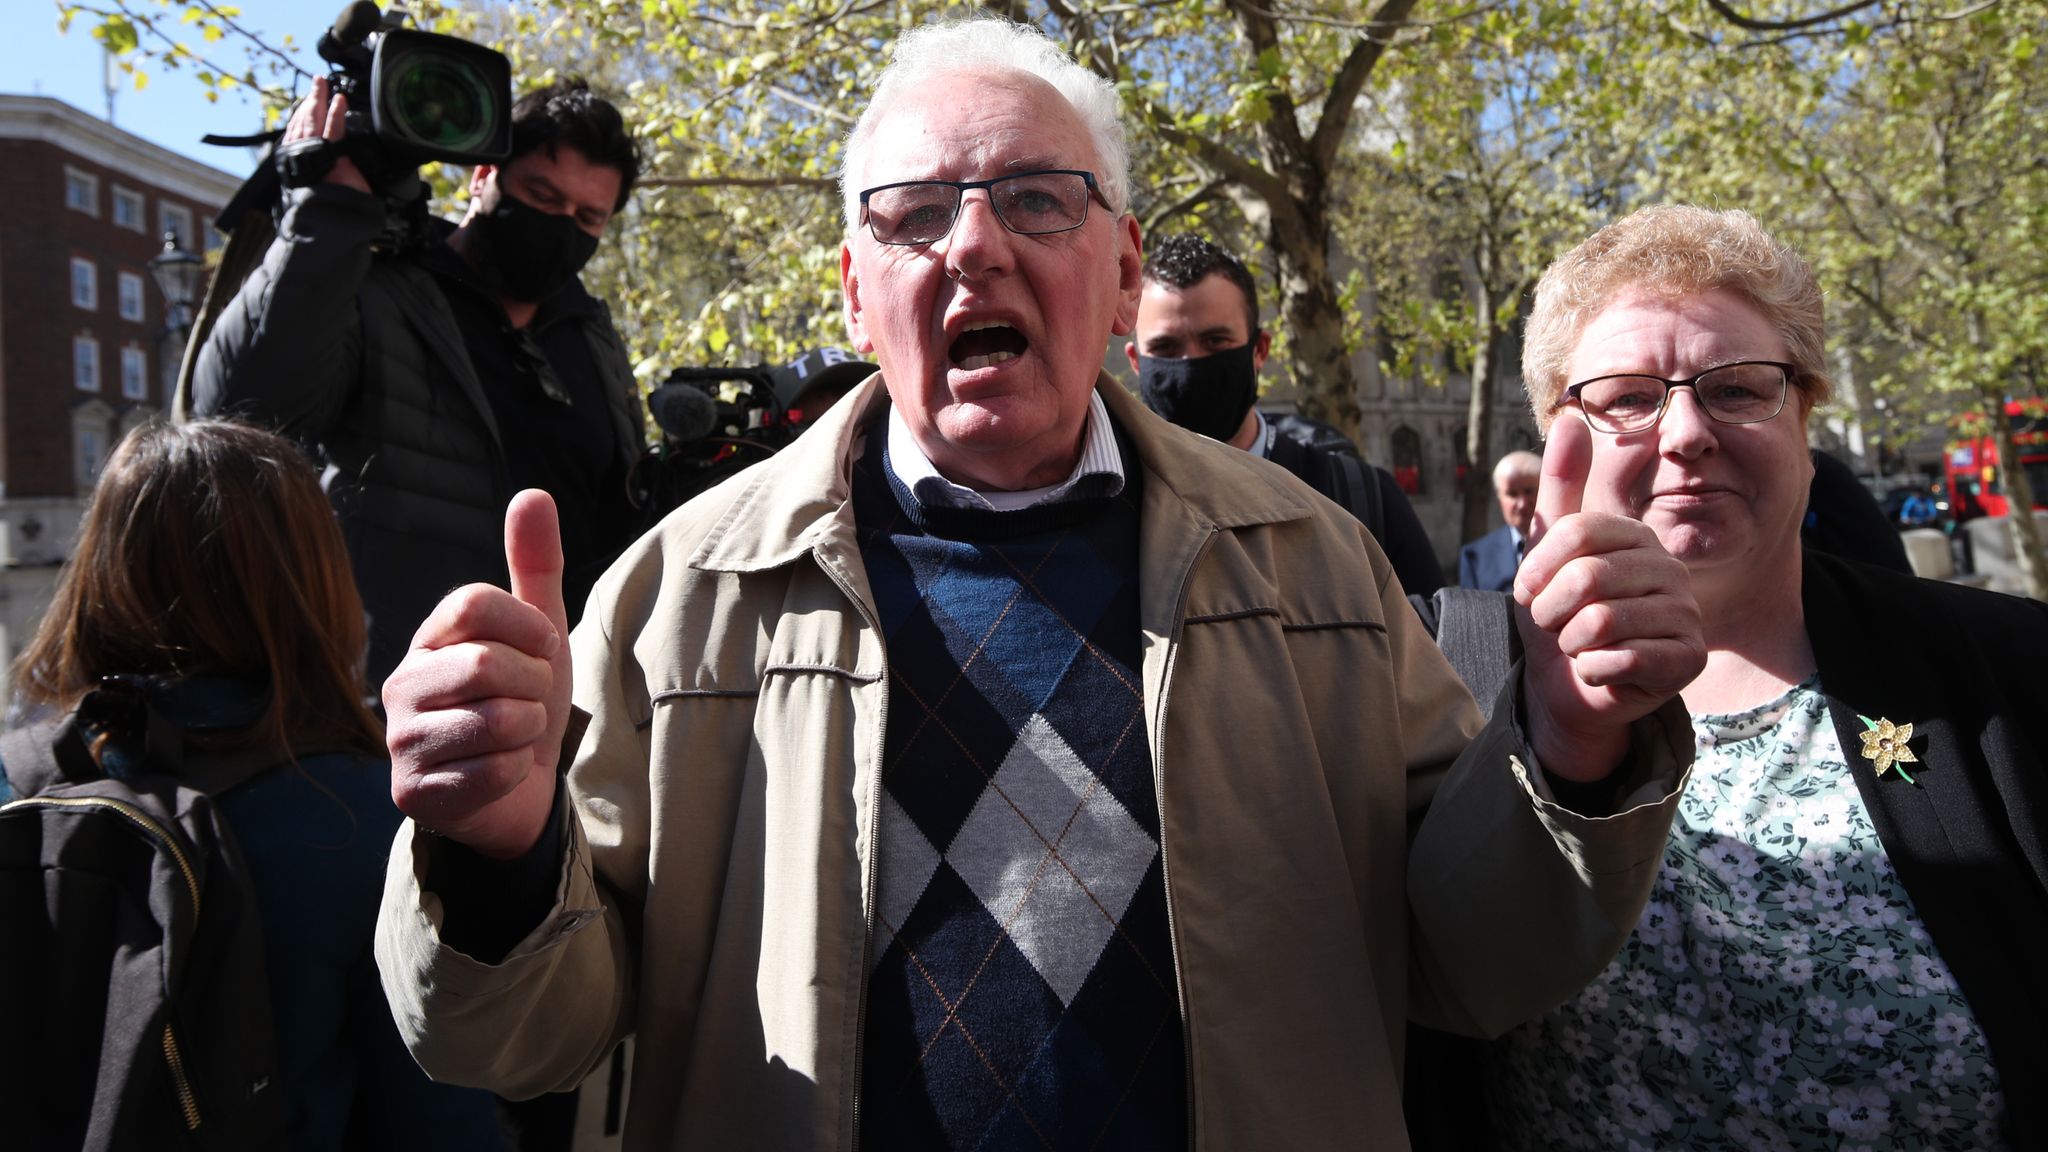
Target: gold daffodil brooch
{"x": 1884, "y": 744}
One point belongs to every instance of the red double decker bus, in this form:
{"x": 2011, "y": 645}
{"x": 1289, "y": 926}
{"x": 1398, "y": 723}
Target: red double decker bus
{"x": 1972, "y": 468}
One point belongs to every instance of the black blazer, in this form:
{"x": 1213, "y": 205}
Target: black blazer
{"x": 1968, "y": 838}
{"x": 1489, "y": 562}
{"x": 1969, "y": 670}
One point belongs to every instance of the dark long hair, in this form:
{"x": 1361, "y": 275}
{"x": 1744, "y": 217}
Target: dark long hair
{"x": 209, "y": 550}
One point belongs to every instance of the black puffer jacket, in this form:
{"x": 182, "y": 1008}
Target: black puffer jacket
{"x": 358, "y": 358}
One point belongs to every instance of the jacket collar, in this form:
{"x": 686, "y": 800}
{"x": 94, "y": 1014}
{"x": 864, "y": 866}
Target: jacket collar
{"x": 802, "y": 496}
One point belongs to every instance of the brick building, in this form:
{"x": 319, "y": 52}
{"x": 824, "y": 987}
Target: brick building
{"x": 85, "y": 351}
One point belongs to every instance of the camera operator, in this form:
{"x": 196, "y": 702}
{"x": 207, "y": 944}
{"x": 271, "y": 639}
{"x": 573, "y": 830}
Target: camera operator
{"x": 437, "y": 380}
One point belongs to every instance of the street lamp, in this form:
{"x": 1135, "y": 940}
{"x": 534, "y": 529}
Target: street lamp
{"x": 178, "y": 275}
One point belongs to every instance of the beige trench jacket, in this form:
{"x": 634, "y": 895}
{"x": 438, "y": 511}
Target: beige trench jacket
{"x": 719, "y": 869}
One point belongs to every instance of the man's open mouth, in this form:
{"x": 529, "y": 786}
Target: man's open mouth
{"x": 986, "y": 345}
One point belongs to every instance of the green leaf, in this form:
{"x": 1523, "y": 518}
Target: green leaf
{"x": 118, "y": 35}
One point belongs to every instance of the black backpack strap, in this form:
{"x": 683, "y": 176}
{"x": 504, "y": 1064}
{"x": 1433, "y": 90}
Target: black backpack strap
{"x": 1332, "y": 470}
{"x": 25, "y": 754}
{"x": 1476, "y": 632}
{"x": 43, "y": 756}
{"x": 1290, "y": 453}
{"x": 1361, "y": 491}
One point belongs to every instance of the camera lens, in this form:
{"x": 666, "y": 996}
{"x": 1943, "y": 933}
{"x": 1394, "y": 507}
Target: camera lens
{"x": 442, "y": 103}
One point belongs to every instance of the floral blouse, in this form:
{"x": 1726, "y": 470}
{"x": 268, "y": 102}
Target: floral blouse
{"x": 1779, "y": 992}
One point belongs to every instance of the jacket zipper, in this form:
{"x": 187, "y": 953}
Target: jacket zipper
{"x": 187, "y": 1102}
{"x": 860, "y": 1019}
{"x": 1187, "y": 1048}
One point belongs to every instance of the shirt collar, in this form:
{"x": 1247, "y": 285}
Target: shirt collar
{"x": 1099, "y": 457}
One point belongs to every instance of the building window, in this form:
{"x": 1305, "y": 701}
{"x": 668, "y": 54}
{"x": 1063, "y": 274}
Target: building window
{"x": 82, "y": 191}
{"x": 86, "y": 455}
{"x": 214, "y": 240}
{"x": 1407, "y": 446}
{"x": 85, "y": 363}
{"x": 130, "y": 296}
{"x": 92, "y": 437}
{"x": 128, "y": 209}
{"x": 176, "y": 219}
{"x": 134, "y": 373}
{"x": 85, "y": 284}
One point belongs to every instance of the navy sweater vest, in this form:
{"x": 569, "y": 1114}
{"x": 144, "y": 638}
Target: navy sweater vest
{"x": 1022, "y": 993}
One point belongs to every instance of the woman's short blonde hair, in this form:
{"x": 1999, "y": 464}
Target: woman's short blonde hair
{"x": 1673, "y": 250}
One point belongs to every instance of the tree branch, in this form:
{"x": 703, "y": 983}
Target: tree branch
{"x": 1350, "y": 81}
{"x": 1372, "y": 26}
{"x": 1282, "y": 122}
{"x": 252, "y": 38}
{"x": 788, "y": 181}
{"x": 810, "y": 106}
{"x": 1207, "y": 192}
{"x": 1726, "y": 12}
{"x": 176, "y": 50}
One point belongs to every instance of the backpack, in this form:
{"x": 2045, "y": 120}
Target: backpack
{"x": 1475, "y": 631}
{"x": 138, "y": 1011}
{"x": 1328, "y": 462}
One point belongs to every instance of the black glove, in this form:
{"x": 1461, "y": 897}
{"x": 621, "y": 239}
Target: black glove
{"x": 304, "y": 163}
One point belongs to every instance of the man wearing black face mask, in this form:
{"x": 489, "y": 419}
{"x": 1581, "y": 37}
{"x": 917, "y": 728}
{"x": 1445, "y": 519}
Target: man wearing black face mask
{"x": 1198, "y": 348}
{"x": 435, "y": 382}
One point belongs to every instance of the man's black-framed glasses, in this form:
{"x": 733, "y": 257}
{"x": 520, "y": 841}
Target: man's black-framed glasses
{"x": 1745, "y": 392}
{"x": 1028, "y": 203}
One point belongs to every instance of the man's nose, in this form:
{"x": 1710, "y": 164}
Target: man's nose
{"x": 1685, "y": 428}
{"x": 979, "y": 242}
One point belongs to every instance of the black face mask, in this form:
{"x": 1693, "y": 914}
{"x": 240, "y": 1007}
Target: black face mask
{"x": 529, "y": 253}
{"x": 1207, "y": 394}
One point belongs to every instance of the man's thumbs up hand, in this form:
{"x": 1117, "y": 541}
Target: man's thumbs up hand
{"x": 1608, "y": 621}
{"x": 477, "y": 709}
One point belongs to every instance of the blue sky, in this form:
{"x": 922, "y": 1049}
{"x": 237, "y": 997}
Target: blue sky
{"x": 36, "y": 59}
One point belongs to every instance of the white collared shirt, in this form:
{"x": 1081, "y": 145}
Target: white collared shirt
{"x": 1099, "y": 456}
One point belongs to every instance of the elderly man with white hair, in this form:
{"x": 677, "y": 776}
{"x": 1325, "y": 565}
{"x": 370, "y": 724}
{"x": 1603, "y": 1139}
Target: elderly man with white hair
{"x": 1000, "y": 766}
{"x": 1489, "y": 562}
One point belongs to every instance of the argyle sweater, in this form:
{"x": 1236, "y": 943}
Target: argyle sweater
{"x": 1022, "y": 992}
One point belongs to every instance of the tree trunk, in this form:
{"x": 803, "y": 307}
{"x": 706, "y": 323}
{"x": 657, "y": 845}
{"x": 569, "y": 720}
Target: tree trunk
{"x": 1317, "y": 358}
{"x": 1476, "y": 488}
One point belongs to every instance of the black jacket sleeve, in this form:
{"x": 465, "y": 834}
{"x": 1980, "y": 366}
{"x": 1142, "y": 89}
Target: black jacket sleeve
{"x": 1407, "y": 546}
{"x": 287, "y": 350}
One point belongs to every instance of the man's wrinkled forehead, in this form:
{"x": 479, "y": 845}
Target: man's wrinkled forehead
{"x": 982, "y": 122}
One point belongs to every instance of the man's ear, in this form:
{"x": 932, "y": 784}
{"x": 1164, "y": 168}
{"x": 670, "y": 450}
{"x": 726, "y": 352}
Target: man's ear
{"x": 1262, "y": 345}
{"x": 849, "y": 293}
{"x": 1130, "y": 274}
{"x": 1131, "y": 351}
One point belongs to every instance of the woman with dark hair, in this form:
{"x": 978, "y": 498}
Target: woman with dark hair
{"x": 210, "y": 569}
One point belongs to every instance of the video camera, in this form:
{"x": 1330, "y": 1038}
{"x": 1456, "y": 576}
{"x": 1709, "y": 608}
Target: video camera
{"x": 419, "y": 97}
{"x": 413, "y": 98}
{"x": 716, "y": 421}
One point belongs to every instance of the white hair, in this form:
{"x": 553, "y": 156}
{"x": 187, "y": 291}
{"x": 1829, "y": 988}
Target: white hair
{"x": 993, "y": 45}
{"x": 1516, "y": 463}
